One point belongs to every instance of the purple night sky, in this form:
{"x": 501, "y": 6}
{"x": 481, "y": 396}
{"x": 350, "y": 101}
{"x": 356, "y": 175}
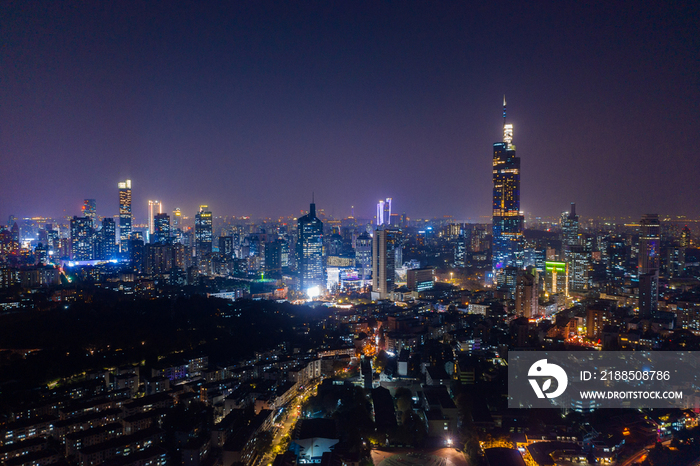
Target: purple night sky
{"x": 250, "y": 106}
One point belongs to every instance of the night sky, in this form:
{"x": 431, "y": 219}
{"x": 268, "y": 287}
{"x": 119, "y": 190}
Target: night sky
{"x": 250, "y": 106}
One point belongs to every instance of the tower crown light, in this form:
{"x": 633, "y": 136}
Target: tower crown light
{"x": 508, "y": 133}
{"x": 507, "y": 127}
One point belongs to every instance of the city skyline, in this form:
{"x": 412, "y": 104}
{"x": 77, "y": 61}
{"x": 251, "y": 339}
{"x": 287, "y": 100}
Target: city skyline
{"x": 232, "y": 105}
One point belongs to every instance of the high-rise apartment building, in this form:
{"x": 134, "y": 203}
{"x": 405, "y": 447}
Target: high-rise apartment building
{"x": 507, "y": 221}
{"x": 90, "y": 211}
{"x": 310, "y": 251}
{"x": 81, "y": 239}
{"x": 579, "y": 264}
{"x": 527, "y": 293}
{"x": 108, "y": 240}
{"x": 203, "y": 233}
{"x": 125, "y": 218}
{"x": 363, "y": 255}
{"x": 161, "y": 233}
{"x": 226, "y": 246}
{"x": 648, "y": 265}
{"x": 273, "y": 256}
{"x": 460, "y": 251}
{"x": 596, "y": 318}
{"x": 383, "y": 263}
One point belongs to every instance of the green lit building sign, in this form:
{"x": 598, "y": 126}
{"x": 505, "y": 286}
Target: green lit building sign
{"x": 558, "y": 267}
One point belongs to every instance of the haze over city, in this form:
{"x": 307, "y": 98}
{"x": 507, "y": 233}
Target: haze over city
{"x": 250, "y": 107}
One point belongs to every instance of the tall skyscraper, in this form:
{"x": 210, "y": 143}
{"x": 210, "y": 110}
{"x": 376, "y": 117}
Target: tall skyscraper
{"x": 203, "y": 233}
{"x": 108, "y": 239}
{"x": 380, "y": 212}
{"x": 90, "y": 211}
{"x": 310, "y": 251}
{"x": 154, "y": 208}
{"x": 384, "y": 212}
{"x": 161, "y": 234}
{"x": 507, "y": 221}
{"x": 124, "y": 215}
{"x": 579, "y": 265}
{"x": 383, "y": 263}
{"x": 363, "y": 255}
{"x": 569, "y": 229}
{"x": 81, "y": 239}
{"x": 575, "y": 254}
{"x": 177, "y": 218}
{"x": 648, "y": 265}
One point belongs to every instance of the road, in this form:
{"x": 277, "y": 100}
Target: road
{"x": 287, "y": 424}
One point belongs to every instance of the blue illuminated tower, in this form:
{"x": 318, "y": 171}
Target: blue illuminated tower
{"x": 108, "y": 241}
{"x": 310, "y": 251}
{"x": 507, "y": 221}
{"x": 203, "y": 232}
{"x": 81, "y": 239}
{"x": 161, "y": 233}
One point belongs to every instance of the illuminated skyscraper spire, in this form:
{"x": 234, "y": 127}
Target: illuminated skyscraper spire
{"x": 504, "y": 110}
{"x": 507, "y": 128}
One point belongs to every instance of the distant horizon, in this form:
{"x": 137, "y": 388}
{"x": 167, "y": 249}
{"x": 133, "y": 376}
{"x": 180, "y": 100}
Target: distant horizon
{"x": 139, "y": 220}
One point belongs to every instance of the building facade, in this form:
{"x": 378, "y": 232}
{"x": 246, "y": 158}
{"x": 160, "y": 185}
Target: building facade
{"x": 383, "y": 263}
{"x": 203, "y": 233}
{"x": 161, "y": 232}
{"x": 310, "y": 251}
{"x": 81, "y": 239}
{"x": 648, "y": 265}
{"x": 125, "y": 218}
{"x": 507, "y": 221}
{"x": 90, "y": 211}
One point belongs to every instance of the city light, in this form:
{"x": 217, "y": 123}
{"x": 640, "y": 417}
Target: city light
{"x": 313, "y": 292}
